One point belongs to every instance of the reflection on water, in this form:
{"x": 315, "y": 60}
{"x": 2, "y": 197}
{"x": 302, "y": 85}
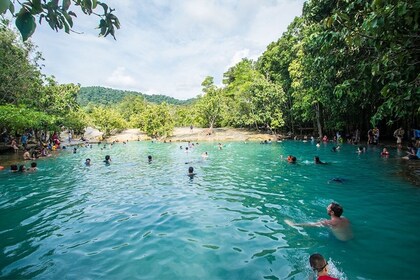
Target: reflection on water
{"x": 133, "y": 219}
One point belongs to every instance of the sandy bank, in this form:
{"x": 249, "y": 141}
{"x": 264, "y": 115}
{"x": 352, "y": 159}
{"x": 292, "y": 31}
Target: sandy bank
{"x": 183, "y": 134}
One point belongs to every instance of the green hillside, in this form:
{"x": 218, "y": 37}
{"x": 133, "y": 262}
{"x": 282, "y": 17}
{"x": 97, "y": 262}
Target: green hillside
{"x": 107, "y": 96}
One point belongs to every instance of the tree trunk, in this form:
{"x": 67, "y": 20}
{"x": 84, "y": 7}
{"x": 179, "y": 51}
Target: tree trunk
{"x": 318, "y": 120}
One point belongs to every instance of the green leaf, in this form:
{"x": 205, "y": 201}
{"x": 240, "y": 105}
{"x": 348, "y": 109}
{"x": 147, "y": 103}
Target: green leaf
{"x": 36, "y": 7}
{"x": 25, "y": 22}
{"x": 105, "y": 6}
{"x": 87, "y": 4}
{"x": 66, "y": 4}
{"x": 4, "y": 5}
{"x": 94, "y": 4}
{"x": 12, "y": 8}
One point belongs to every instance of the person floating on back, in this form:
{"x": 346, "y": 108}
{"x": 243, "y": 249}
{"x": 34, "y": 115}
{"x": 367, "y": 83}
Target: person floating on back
{"x": 339, "y": 225}
{"x": 320, "y": 266}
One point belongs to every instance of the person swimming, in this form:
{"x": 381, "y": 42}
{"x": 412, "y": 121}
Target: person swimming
{"x": 87, "y": 162}
{"x": 385, "y": 152}
{"x": 33, "y": 167}
{"x": 14, "y": 168}
{"x": 107, "y": 160}
{"x": 291, "y": 159}
{"x": 318, "y": 161}
{"x": 340, "y": 226}
{"x": 337, "y": 180}
{"x": 149, "y": 158}
{"x": 320, "y": 266}
{"x": 191, "y": 171}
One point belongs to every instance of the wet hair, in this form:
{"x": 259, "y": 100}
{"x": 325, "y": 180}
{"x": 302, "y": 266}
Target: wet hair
{"x": 22, "y": 168}
{"x": 338, "y": 210}
{"x": 13, "y": 167}
{"x": 149, "y": 157}
{"x": 190, "y": 169}
{"x": 107, "y": 157}
{"x": 33, "y": 164}
{"x": 317, "y": 262}
{"x": 317, "y": 160}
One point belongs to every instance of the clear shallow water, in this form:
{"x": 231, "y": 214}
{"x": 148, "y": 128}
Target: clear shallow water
{"x": 151, "y": 221}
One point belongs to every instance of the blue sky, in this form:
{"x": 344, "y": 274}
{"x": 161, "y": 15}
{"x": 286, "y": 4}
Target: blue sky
{"x": 165, "y": 46}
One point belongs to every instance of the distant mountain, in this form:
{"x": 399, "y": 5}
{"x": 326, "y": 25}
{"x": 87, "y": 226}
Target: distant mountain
{"x": 108, "y": 96}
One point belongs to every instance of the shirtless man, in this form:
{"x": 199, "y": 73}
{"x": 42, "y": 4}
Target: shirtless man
{"x": 26, "y": 155}
{"x": 340, "y": 226}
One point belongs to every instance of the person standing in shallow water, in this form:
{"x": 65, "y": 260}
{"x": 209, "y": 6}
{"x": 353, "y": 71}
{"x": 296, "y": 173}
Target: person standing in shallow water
{"x": 339, "y": 225}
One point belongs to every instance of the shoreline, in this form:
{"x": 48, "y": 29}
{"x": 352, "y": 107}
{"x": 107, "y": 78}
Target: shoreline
{"x": 185, "y": 134}
{"x": 411, "y": 171}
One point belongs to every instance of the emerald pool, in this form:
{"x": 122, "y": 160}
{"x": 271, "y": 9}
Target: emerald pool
{"x": 135, "y": 220}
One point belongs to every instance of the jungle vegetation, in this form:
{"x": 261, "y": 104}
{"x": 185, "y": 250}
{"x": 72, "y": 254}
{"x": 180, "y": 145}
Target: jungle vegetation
{"x": 341, "y": 66}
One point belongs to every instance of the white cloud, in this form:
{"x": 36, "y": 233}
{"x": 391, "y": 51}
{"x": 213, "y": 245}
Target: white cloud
{"x": 165, "y": 47}
{"x": 120, "y": 79}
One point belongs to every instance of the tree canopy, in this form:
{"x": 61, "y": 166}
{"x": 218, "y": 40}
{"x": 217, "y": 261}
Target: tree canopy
{"x": 341, "y": 66}
{"x": 105, "y": 96}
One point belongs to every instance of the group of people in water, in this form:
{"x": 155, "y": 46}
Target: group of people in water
{"x": 338, "y": 224}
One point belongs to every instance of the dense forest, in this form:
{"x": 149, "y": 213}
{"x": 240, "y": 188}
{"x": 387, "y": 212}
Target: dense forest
{"x": 108, "y": 96}
{"x": 341, "y": 66}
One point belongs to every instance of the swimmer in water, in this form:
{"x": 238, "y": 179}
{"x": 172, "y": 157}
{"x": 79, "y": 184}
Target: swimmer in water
{"x": 204, "y": 155}
{"x": 291, "y": 159}
{"x": 318, "y": 161}
{"x": 13, "y": 168}
{"x": 320, "y": 266}
{"x": 191, "y": 171}
{"x": 107, "y": 160}
{"x": 339, "y": 225}
{"x": 33, "y": 167}
{"x": 336, "y": 180}
{"x": 385, "y": 152}
{"x": 149, "y": 158}
{"x": 87, "y": 162}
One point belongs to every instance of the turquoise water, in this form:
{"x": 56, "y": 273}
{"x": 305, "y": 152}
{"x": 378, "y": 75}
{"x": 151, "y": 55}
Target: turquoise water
{"x": 134, "y": 220}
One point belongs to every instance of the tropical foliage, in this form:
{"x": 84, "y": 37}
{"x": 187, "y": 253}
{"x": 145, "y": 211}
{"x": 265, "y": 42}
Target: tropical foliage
{"x": 108, "y": 96}
{"x": 58, "y": 16}
{"x": 341, "y": 66}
